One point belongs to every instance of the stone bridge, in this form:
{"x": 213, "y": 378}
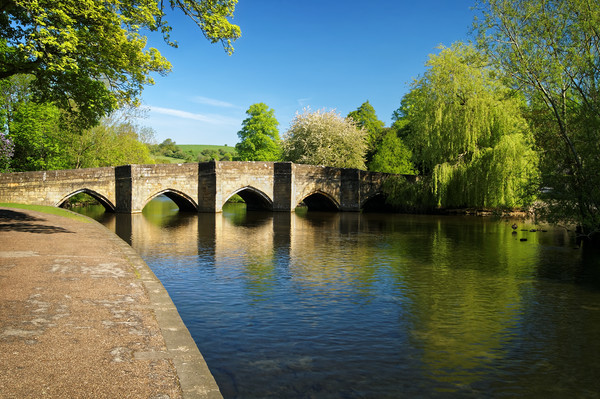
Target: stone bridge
{"x": 202, "y": 187}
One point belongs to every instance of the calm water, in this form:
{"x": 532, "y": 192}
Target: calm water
{"x": 352, "y": 305}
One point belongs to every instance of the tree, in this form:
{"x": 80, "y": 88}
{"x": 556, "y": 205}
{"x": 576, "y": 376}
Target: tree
{"x": 259, "y": 135}
{"x": 366, "y": 118}
{"x": 386, "y": 151}
{"x": 33, "y": 129}
{"x": 550, "y": 51}
{"x": 114, "y": 141}
{"x": 392, "y": 156}
{"x": 38, "y": 139}
{"x": 325, "y": 138}
{"x": 467, "y": 132}
{"x": 42, "y": 138}
{"x": 168, "y": 148}
{"x": 89, "y": 56}
{"x": 209, "y": 154}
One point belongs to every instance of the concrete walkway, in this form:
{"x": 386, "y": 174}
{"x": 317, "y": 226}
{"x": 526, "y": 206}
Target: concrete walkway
{"x": 82, "y": 316}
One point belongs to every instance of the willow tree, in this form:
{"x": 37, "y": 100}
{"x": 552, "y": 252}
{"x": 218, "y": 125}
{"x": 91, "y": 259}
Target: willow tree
{"x": 467, "y": 132}
{"x": 325, "y": 138}
{"x": 550, "y": 51}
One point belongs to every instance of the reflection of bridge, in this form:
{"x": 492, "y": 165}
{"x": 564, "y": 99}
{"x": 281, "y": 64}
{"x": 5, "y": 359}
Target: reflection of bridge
{"x": 205, "y": 187}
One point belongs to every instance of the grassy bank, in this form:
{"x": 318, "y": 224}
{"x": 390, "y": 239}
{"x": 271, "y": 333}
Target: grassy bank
{"x": 48, "y": 209}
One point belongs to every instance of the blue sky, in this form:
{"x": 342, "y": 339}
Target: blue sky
{"x": 295, "y": 54}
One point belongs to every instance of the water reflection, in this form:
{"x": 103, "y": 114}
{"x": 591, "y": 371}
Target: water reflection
{"x": 351, "y": 305}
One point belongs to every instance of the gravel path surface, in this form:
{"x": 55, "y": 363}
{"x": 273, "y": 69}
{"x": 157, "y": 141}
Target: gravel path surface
{"x": 82, "y": 316}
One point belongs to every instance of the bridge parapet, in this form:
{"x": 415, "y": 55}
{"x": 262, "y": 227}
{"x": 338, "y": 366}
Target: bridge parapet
{"x": 205, "y": 187}
{"x": 53, "y": 187}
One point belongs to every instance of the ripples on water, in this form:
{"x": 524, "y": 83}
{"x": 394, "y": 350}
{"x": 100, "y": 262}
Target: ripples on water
{"x": 377, "y": 306}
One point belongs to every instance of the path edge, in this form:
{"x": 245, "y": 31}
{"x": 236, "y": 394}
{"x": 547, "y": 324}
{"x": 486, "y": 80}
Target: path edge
{"x": 195, "y": 379}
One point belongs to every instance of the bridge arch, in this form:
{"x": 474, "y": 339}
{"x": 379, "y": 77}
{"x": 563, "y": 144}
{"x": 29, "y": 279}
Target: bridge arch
{"x": 375, "y": 202}
{"x": 321, "y": 201}
{"x": 105, "y": 202}
{"x": 184, "y": 202}
{"x": 254, "y": 198}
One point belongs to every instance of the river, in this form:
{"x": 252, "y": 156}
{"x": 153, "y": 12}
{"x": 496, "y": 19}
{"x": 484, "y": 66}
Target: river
{"x": 350, "y": 305}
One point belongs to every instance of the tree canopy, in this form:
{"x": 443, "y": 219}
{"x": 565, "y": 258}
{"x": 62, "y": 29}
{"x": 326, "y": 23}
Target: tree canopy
{"x": 366, "y": 118}
{"x": 39, "y": 141}
{"x": 550, "y": 51}
{"x": 467, "y": 132}
{"x": 90, "y": 56}
{"x": 259, "y": 137}
{"x": 325, "y": 138}
{"x": 392, "y": 156}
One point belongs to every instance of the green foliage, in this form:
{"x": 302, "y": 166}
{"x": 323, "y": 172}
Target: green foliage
{"x": 34, "y": 129}
{"x": 408, "y": 196}
{"x": 549, "y": 51}
{"x": 80, "y": 199}
{"x": 385, "y": 150}
{"x": 392, "y": 156}
{"x": 219, "y": 154}
{"x": 90, "y": 56}
{"x": 43, "y": 140}
{"x": 325, "y": 138}
{"x": 467, "y": 132}
{"x": 366, "y": 118}
{"x": 113, "y": 142}
{"x": 38, "y": 140}
{"x": 259, "y": 135}
{"x": 496, "y": 177}
{"x": 168, "y": 148}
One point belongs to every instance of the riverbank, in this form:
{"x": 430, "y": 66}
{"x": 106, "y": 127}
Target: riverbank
{"x": 82, "y": 316}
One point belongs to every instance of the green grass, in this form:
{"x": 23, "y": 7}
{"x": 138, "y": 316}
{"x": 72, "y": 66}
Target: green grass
{"x": 48, "y": 209}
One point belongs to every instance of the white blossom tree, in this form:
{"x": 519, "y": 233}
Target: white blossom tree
{"x": 325, "y": 138}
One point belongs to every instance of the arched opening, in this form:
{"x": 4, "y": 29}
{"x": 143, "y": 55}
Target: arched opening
{"x": 86, "y": 198}
{"x": 377, "y": 203}
{"x": 320, "y": 202}
{"x": 181, "y": 200}
{"x": 254, "y": 199}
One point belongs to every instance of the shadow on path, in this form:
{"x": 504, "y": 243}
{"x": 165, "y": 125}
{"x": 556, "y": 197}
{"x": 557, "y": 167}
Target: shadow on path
{"x": 22, "y": 224}
{"x": 7, "y": 215}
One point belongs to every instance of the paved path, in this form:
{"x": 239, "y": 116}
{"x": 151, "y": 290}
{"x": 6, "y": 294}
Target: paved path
{"x": 82, "y": 316}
